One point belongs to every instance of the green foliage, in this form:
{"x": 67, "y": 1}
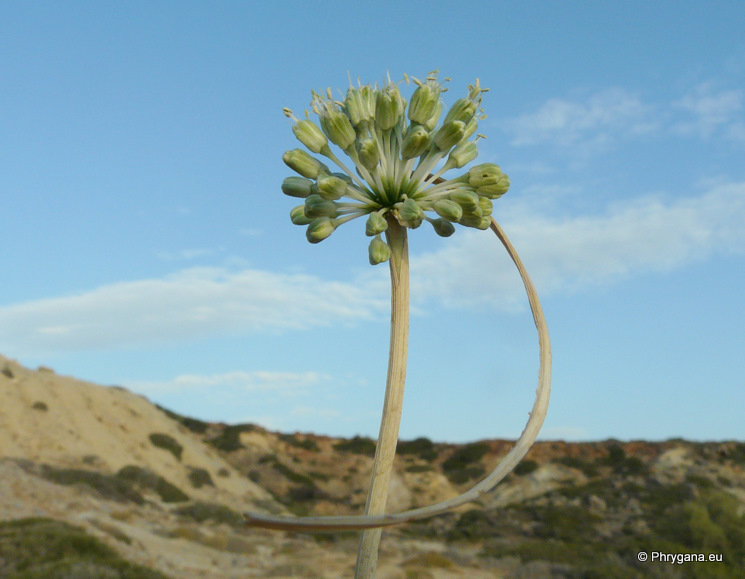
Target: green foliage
{"x": 201, "y": 512}
{"x": 196, "y": 426}
{"x": 475, "y": 524}
{"x": 306, "y": 443}
{"x": 587, "y": 468}
{"x": 38, "y": 548}
{"x": 107, "y": 486}
{"x": 168, "y": 443}
{"x": 357, "y": 445}
{"x": 459, "y": 468}
{"x": 144, "y": 478}
{"x": 419, "y": 468}
{"x": 199, "y": 477}
{"x": 40, "y": 406}
{"x": 229, "y": 440}
{"x": 290, "y": 474}
{"x": 525, "y": 467}
{"x": 423, "y": 447}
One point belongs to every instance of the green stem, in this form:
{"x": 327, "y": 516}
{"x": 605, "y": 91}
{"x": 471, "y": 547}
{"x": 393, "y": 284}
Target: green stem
{"x": 385, "y": 452}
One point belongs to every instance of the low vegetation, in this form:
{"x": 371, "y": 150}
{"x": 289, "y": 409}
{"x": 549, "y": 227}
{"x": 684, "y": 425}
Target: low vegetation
{"x": 39, "y": 548}
{"x": 168, "y": 443}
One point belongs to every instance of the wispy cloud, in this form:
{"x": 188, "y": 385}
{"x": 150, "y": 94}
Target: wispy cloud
{"x": 283, "y": 383}
{"x": 574, "y": 252}
{"x": 600, "y": 119}
{"x": 597, "y": 119}
{"x": 189, "y": 304}
{"x": 708, "y": 111}
{"x": 562, "y": 253}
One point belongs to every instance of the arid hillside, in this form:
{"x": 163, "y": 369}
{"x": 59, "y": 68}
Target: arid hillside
{"x": 151, "y": 488}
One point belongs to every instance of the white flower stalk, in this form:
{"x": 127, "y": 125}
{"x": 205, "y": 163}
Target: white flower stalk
{"x": 394, "y": 152}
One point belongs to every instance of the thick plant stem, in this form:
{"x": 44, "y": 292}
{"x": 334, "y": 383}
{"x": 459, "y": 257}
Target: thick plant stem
{"x": 385, "y": 452}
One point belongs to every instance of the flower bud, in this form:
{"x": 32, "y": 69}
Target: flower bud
{"x": 360, "y": 105}
{"x": 378, "y": 251}
{"x": 297, "y": 216}
{"x": 368, "y": 153}
{"x": 468, "y": 200}
{"x": 337, "y": 127}
{"x": 316, "y": 206}
{"x": 389, "y": 106}
{"x": 471, "y": 127}
{"x": 424, "y": 102}
{"x": 449, "y": 134}
{"x": 301, "y": 162}
{"x": 462, "y": 110}
{"x": 463, "y": 154}
{"x": 331, "y": 187}
{"x": 432, "y": 122}
{"x": 484, "y": 174}
{"x": 308, "y": 133}
{"x": 376, "y": 224}
{"x": 410, "y": 214}
{"x": 486, "y": 206}
{"x": 496, "y": 190}
{"x": 475, "y": 221}
{"x": 297, "y": 187}
{"x": 443, "y": 227}
{"x": 448, "y": 209}
{"x": 319, "y": 229}
{"x": 416, "y": 141}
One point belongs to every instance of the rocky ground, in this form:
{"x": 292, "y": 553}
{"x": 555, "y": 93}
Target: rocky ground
{"x": 148, "y": 487}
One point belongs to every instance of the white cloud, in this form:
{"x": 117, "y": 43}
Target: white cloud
{"x": 284, "y": 383}
{"x": 574, "y": 252}
{"x": 562, "y": 253}
{"x": 596, "y": 120}
{"x": 708, "y": 111}
{"x": 192, "y": 303}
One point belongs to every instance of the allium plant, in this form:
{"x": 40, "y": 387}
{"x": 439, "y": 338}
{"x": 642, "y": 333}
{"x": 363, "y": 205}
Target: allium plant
{"x": 400, "y": 155}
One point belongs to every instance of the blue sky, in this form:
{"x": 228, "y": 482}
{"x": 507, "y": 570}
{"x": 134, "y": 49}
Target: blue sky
{"x": 146, "y": 242}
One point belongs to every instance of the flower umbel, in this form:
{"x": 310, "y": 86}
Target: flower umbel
{"x": 396, "y": 154}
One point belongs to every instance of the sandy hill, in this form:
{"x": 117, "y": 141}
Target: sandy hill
{"x": 166, "y": 491}
{"x": 65, "y": 422}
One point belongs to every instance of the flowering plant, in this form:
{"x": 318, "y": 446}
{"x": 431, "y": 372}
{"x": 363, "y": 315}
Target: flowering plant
{"x": 395, "y": 152}
{"x": 400, "y": 155}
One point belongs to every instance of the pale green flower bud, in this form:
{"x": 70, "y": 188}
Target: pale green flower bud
{"x": 378, "y": 251}
{"x": 424, "y": 103}
{"x": 432, "y": 122}
{"x": 411, "y": 215}
{"x": 368, "y": 153}
{"x": 376, "y": 224}
{"x": 319, "y": 229}
{"x": 463, "y": 154}
{"x": 462, "y": 110}
{"x": 297, "y": 216}
{"x": 476, "y": 221}
{"x": 297, "y": 187}
{"x": 308, "y": 133}
{"x": 331, "y": 187}
{"x": 416, "y": 141}
{"x": 496, "y": 190}
{"x": 484, "y": 174}
{"x": 471, "y": 127}
{"x": 449, "y": 134}
{"x": 301, "y": 162}
{"x": 389, "y": 106}
{"x": 360, "y": 105}
{"x": 486, "y": 206}
{"x": 443, "y": 227}
{"x": 448, "y": 209}
{"x": 338, "y": 129}
{"x": 316, "y": 206}
{"x": 468, "y": 200}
